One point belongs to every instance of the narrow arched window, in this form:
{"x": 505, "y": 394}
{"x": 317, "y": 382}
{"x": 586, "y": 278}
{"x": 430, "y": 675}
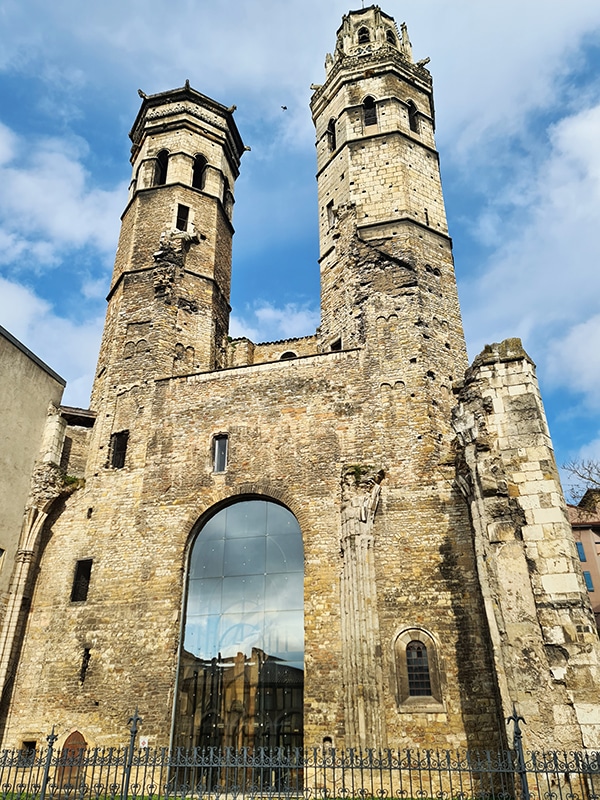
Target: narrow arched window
{"x": 413, "y": 117}
{"x": 417, "y": 667}
{"x": 419, "y": 672}
{"x": 199, "y": 172}
{"x": 369, "y": 111}
{"x": 390, "y": 36}
{"x": 363, "y": 36}
{"x": 331, "y": 138}
{"x": 160, "y": 170}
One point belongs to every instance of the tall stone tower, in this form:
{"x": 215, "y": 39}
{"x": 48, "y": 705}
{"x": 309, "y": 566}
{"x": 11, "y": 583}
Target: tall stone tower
{"x": 388, "y": 289}
{"x": 379, "y": 181}
{"x": 168, "y": 307}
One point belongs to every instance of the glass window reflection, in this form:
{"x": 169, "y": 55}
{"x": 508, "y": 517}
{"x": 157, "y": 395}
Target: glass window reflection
{"x": 241, "y": 672}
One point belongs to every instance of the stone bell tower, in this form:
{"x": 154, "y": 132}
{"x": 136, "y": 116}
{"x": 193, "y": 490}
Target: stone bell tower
{"x": 383, "y": 231}
{"x": 168, "y": 309}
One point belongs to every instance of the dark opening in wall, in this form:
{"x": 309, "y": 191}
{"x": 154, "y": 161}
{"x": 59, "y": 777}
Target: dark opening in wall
{"x": 331, "y": 214}
{"x": 413, "y": 117}
{"x": 81, "y": 581}
{"x": 287, "y": 354}
{"x": 369, "y": 111}
{"x": 183, "y": 215}
{"x": 331, "y": 137}
{"x": 336, "y": 345}
{"x": 199, "y": 172}
{"x": 118, "y": 449}
{"x": 85, "y": 662}
{"x": 363, "y": 36}
{"x": 390, "y": 36}
{"x": 160, "y": 169}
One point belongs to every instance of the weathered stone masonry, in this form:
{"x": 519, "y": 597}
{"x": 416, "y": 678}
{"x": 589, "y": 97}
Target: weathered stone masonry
{"x": 421, "y": 527}
{"x": 545, "y": 641}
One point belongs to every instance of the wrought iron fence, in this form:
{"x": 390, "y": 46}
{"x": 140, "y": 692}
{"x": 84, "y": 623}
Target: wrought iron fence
{"x": 132, "y": 773}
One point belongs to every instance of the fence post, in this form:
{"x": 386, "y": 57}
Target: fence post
{"x": 133, "y": 721}
{"x": 50, "y": 739}
{"x": 518, "y": 746}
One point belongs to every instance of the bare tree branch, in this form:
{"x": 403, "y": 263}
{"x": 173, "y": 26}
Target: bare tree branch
{"x": 585, "y": 474}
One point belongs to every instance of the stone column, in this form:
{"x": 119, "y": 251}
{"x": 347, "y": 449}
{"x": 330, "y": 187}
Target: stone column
{"x": 361, "y": 646}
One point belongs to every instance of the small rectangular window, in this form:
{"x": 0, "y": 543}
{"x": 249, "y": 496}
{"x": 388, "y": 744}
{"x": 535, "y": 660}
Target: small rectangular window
{"x": 337, "y": 345}
{"x": 220, "y": 446}
{"x": 28, "y": 749}
{"x": 118, "y": 449}
{"x": 183, "y": 214}
{"x": 81, "y": 581}
{"x": 581, "y": 551}
{"x": 588, "y": 581}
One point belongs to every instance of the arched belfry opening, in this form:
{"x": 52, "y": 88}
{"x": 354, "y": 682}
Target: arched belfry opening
{"x": 199, "y": 172}
{"x": 413, "y": 117}
{"x": 369, "y": 111}
{"x": 160, "y": 168}
{"x": 241, "y": 667}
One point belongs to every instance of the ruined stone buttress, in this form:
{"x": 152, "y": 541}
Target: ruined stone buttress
{"x": 347, "y": 538}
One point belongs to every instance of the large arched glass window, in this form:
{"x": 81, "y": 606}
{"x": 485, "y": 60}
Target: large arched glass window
{"x": 241, "y": 675}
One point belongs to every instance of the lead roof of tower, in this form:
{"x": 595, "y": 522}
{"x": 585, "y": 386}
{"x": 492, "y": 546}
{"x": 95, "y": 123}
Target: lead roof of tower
{"x": 184, "y": 93}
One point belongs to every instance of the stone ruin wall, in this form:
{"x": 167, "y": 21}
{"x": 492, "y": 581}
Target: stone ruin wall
{"x": 545, "y": 642}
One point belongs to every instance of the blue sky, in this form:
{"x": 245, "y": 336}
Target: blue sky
{"x": 517, "y": 90}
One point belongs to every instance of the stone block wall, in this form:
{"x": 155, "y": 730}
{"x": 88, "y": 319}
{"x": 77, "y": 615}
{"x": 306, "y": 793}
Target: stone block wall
{"x": 295, "y": 429}
{"x": 546, "y": 647}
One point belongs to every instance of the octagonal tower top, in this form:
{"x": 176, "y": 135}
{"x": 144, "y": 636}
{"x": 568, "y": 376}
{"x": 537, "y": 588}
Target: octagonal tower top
{"x": 369, "y": 29}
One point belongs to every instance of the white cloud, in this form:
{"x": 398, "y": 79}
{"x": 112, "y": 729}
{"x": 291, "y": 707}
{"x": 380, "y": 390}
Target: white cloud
{"x": 71, "y": 349}
{"x": 493, "y": 61}
{"x": 590, "y": 451}
{"x": 49, "y": 202}
{"x": 8, "y": 144}
{"x": 573, "y": 360}
{"x": 268, "y": 323}
{"x": 543, "y": 283}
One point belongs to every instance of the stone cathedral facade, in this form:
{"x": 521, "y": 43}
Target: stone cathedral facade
{"x": 352, "y": 538}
